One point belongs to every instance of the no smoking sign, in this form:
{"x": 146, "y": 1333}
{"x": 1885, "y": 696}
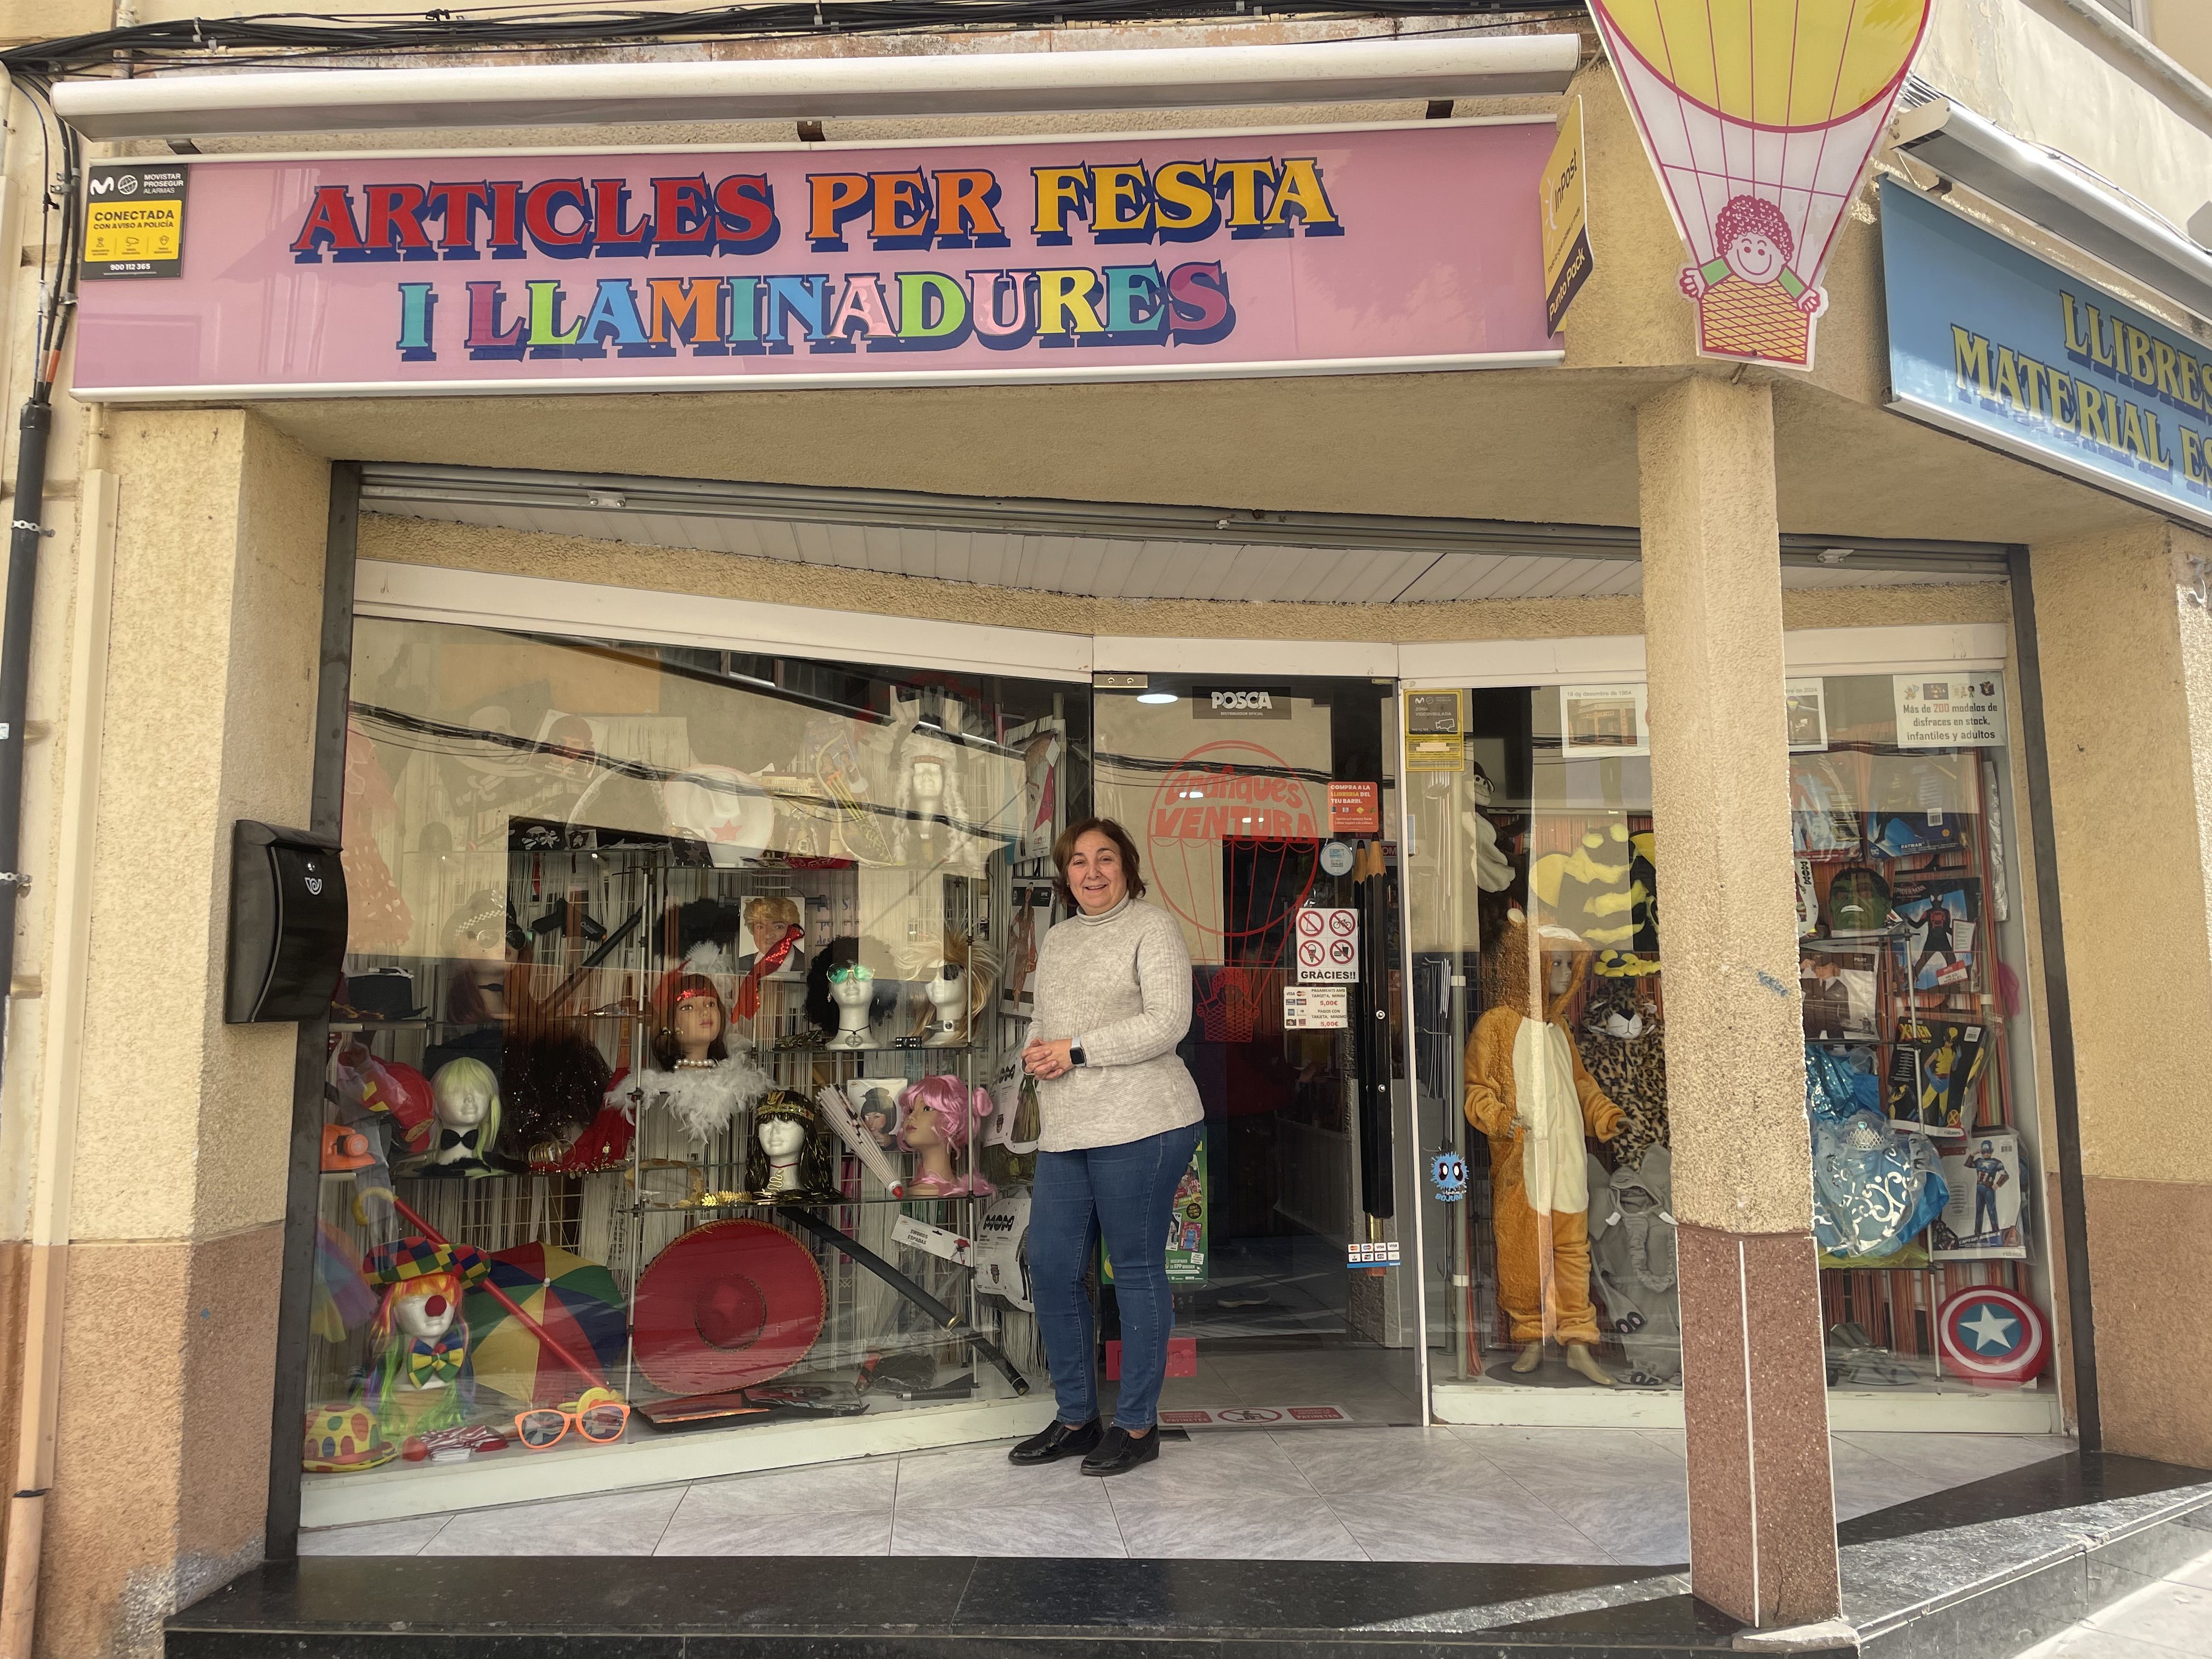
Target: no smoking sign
{"x": 1328, "y": 946}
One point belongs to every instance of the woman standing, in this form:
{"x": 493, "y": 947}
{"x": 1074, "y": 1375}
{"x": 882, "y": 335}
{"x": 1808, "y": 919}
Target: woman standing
{"x": 1119, "y": 1119}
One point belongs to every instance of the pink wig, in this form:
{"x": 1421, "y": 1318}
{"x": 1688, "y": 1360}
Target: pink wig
{"x": 953, "y": 1105}
{"x": 1754, "y": 215}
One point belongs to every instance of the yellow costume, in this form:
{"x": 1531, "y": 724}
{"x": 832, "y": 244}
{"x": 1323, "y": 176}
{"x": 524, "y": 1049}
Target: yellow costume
{"x": 1530, "y": 1095}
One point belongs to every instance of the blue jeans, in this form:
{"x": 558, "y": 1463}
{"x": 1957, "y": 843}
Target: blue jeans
{"x": 1127, "y": 1193}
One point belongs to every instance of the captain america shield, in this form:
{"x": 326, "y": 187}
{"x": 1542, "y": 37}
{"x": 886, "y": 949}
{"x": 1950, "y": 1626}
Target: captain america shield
{"x": 1988, "y": 1334}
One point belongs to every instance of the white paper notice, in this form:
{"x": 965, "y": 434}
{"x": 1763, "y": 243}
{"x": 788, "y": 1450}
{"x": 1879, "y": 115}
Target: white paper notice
{"x": 1956, "y": 711}
{"x": 937, "y": 1241}
{"x": 1316, "y": 1008}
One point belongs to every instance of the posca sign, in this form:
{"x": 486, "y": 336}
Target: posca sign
{"x": 1415, "y": 247}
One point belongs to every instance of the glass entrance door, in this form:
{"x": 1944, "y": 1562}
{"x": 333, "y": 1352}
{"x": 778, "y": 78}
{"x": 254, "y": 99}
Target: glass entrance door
{"x": 1258, "y": 808}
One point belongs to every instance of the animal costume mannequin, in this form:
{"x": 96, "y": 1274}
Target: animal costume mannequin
{"x": 1632, "y": 1245}
{"x": 1528, "y": 1094}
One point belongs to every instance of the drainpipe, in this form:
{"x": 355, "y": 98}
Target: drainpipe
{"x": 55, "y": 1158}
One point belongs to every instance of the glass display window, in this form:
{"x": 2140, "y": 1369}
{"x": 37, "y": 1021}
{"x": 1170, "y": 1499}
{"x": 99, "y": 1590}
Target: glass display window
{"x": 1540, "y": 1029}
{"x": 1540, "y": 1005}
{"x": 671, "y": 1083}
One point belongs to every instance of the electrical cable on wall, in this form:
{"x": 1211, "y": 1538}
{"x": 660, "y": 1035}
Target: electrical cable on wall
{"x": 60, "y": 212}
{"x": 294, "y": 38}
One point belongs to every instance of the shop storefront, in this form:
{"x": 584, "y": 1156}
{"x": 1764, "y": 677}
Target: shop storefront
{"x": 685, "y": 981}
{"x": 696, "y": 749}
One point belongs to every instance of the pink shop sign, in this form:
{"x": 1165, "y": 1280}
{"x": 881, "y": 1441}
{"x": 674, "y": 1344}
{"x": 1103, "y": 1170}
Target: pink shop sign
{"x": 1322, "y": 250}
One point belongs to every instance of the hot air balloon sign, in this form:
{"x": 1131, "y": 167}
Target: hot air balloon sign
{"x": 1759, "y": 117}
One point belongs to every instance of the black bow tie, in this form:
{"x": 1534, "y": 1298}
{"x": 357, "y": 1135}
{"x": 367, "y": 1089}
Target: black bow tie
{"x": 455, "y": 1138}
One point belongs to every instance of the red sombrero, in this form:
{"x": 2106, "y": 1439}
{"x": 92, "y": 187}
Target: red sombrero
{"x": 726, "y": 1305}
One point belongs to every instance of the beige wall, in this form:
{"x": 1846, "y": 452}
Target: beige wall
{"x": 2183, "y": 30}
{"x": 2127, "y": 673}
{"x": 184, "y": 1123}
{"x": 2046, "y": 71}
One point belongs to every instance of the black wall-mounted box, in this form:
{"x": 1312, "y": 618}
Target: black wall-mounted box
{"x": 287, "y": 924}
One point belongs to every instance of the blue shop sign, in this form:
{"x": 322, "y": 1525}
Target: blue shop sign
{"x": 1993, "y": 344}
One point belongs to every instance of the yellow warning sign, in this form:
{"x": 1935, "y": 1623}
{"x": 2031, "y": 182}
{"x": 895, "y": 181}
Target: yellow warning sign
{"x": 134, "y": 219}
{"x": 134, "y": 230}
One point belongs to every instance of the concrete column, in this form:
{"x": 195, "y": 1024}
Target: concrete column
{"x": 1762, "y": 1518}
{"x": 2126, "y": 654}
{"x": 177, "y": 1186}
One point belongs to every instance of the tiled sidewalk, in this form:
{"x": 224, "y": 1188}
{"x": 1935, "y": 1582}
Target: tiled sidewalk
{"x": 2166, "y": 1617}
{"x": 1562, "y": 1495}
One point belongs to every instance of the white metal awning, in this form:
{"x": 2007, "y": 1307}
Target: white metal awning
{"x": 1116, "y": 549}
{"x": 2053, "y": 190}
{"x": 966, "y": 83}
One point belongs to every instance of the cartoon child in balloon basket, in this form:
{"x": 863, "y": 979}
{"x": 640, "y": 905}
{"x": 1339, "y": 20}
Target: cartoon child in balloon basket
{"x": 1750, "y": 303}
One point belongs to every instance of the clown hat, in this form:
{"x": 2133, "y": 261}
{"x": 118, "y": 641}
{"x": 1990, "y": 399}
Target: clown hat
{"x": 727, "y": 1304}
{"x": 399, "y": 1260}
{"x": 342, "y": 1439}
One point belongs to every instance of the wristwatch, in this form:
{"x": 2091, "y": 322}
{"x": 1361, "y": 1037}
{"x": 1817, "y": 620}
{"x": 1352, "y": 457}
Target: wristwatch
{"x": 1075, "y": 1055}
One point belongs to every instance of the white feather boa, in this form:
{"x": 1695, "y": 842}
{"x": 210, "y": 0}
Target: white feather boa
{"x": 704, "y": 1100}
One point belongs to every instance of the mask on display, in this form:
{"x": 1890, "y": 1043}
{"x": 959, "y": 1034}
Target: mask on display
{"x": 1530, "y": 1094}
{"x": 939, "y": 1114}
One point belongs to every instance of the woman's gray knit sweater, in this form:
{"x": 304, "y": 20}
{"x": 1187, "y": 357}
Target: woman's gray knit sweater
{"x": 1120, "y": 985}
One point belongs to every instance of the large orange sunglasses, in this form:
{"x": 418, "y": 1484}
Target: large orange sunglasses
{"x": 600, "y": 1416}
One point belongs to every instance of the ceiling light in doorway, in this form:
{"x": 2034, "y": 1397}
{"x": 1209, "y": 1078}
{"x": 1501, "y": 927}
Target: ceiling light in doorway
{"x": 1156, "y": 696}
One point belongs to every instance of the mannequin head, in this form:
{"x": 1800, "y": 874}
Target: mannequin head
{"x": 425, "y": 1317}
{"x": 853, "y": 986}
{"x": 419, "y": 1310}
{"x": 789, "y": 1136}
{"x": 781, "y": 1139}
{"x": 948, "y": 995}
{"x": 689, "y": 1025}
{"x": 465, "y": 1096}
{"x": 939, "y": 1112}
{"x": 418, "y": 1378}
{"x": 838, "y": 997}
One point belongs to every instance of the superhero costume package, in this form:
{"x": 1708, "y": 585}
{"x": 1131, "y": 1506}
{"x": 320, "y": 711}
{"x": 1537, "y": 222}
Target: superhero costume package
{"x": 1936, "y": 1074}
{"x": 1935, "y": 923}
{"x": 1986, "y": 1216}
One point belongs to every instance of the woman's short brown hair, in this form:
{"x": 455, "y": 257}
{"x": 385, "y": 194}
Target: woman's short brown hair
{"x": 1064, "y": 849}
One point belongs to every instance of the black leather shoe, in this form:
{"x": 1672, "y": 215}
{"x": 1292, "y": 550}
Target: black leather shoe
{"x": 1056, "y": 1442}
{"x": 1122, "y": 1451}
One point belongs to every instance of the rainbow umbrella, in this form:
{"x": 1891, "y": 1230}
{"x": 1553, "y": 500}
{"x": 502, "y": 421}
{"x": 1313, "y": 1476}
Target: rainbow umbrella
{"x": 574, "y": 1301}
